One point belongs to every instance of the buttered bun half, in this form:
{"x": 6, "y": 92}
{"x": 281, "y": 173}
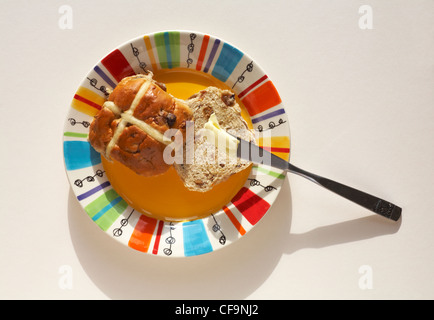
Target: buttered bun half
{"x": 213, "y": 162}
{"x": 130, "y": 128}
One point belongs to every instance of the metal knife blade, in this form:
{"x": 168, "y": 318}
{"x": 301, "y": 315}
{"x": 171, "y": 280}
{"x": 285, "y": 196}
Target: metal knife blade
{"x": 249, "y": 151}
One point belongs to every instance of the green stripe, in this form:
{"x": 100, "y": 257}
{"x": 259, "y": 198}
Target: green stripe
{"x": 108, "y": 218}
{"x": 75, "y": 134}
{"x": 174, "y": 38}
{"x": 95, "y": 206}
{"x": 168, "y": 49}
{"x": 269, "y": 172}
{"x": 161, "y": 49}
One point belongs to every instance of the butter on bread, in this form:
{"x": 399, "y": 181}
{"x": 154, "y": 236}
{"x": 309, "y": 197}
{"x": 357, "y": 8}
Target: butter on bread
{"x": 221, "y": 137}
{"x": 130, "y": 126}
{"x": 211, "y": 164}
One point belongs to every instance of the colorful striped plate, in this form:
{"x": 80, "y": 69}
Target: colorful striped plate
{"x": 162, "y": 50}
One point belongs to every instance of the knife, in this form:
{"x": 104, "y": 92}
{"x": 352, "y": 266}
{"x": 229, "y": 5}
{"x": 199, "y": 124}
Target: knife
{"x": 252, "y": 152}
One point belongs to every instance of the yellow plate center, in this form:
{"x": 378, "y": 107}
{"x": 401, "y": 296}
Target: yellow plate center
{"x": 164, "y": 196}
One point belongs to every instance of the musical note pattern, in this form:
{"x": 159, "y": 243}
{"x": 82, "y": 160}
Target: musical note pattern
{"x": 124, "y": 222}
{"x": 170, "y": 240}
{"x": 79, "y": 182}
{"x": 136, "y": 53}
{"x": 255, "y": 182}
{"x": 94, "y": 82}
{"x": 271, "y": 125}
{"x": 249, "y": 68}
{"x": 217, "y": 228}
{"x": 73, "y": 122}
{"x": 190, "y": 49}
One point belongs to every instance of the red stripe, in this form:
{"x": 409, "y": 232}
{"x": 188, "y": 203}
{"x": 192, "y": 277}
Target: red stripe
{"x": 261, "y": 98}
{"x": 202, "y": 52}
{"x": 117, "y": 65}
{"x": 90, "y": 103}
{"x": 245, "y": 91}
{"x": 158, "y": 236}
{"x": 275, "y": 149}
{"x": 251, "y": 206}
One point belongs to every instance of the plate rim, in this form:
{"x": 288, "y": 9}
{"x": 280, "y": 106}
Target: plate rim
{"x": 160, "y": 223}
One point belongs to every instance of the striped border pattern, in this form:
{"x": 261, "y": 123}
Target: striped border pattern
{"x": 172, "y": 49}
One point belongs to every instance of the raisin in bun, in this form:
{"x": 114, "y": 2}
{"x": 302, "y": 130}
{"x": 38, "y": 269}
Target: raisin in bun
{"x": 211, "y": 164}
{"x": 130, "y": 126}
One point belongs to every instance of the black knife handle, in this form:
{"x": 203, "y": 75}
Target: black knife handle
{"x": 370, "y": 202}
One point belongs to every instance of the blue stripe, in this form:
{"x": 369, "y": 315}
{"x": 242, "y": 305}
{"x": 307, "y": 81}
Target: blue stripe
{"x": 106, "y": 208}
{"x": 79, "y": 154}
{"x": 226, "y": 62}
{"x": 168, "y": 53}
{"x": 92, "y": 191}
{"x": 268, "y": 115}
{"x": 195, "y": 238}
{"x": 104, "y": 77}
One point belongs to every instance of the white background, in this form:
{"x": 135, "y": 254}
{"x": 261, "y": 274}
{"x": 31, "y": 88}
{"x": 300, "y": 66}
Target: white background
{"x": 361, "y": 111}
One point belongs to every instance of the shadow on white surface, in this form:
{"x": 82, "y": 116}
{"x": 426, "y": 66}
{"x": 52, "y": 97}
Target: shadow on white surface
{"x": 343, "y": 232}
{"x": 234, "y": 272}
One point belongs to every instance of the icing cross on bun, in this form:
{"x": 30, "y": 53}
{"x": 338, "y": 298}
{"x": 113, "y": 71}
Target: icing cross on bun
{"x": 130, "y": 126}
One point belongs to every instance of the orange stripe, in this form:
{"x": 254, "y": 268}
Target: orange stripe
{"x": 142, "y": 234}
{"x": 262, "y": 98}
{"x": 150, "y": 52}
{"x": 234, "y": 220}
{"x": 202, "y": 52}
{"x": 281, "y": 151}
{"x": 276, "y": 144}
{"x": 87, "y": 101}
